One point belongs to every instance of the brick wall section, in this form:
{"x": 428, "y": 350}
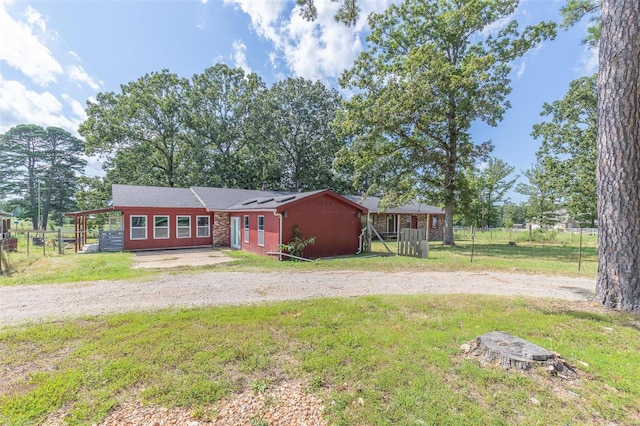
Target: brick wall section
{"x": 221, "y": 229}
{"x": 380, "y": 222}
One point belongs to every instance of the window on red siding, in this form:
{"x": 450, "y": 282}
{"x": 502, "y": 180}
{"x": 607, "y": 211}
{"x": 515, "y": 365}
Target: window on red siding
{"x": 246, "y": 229}
{"x": 138, "y": 227}
{"x": 184, "y": 227}
{"x": 160, "y": 227}
{"x": 202, "y": 230}
{"x": 261, "y": 230}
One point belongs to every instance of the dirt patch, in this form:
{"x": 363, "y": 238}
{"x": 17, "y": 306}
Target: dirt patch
{"x": 164, "y": 259}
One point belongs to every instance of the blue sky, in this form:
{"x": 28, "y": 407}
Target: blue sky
{"x": 57, "y": 54}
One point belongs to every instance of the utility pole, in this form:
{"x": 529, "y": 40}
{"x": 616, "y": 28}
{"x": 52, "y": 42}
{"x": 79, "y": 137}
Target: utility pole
{"x": 39, "y": 219}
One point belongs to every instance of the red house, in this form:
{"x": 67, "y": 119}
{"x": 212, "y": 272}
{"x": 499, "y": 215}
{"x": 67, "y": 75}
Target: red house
{"x": 160, "y": 218}
{"x": 260, "y": 225}
{"x": 257, "y": 221}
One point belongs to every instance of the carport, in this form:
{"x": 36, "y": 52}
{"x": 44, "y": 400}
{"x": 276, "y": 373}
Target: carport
{"x": 80, "y": 221}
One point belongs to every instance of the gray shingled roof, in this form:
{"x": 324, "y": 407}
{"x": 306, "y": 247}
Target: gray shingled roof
{"x": 270, "y": 202}
{"x": 413, "y": 207}
{"x": 153, "y": 196}
{"x": 217, "y": 199}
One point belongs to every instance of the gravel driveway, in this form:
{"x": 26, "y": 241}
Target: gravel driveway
{"x": 20, "y": 304}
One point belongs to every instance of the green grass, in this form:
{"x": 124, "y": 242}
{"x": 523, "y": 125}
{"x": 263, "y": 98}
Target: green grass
{"x": 551, "y": 254}
{"x": 53, "y": 268}
{"x": 373, "y": 360}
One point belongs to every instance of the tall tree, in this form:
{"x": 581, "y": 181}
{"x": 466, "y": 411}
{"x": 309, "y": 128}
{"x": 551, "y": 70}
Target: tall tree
{"x": 512, "y": 214}
{"x": 222, "y": 117}
{"x": 569, "y": 140}
{"x": 489, "y": 186}
{"x": 41, "y": 173}
{"x": 140, "y": 130}
{"x": 300, "y": 120}
{"x": 428, "y": 74}
{"x": 542, "y": 204}
{"x": 618, "y": 144}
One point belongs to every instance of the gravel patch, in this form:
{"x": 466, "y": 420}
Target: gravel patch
{"x": 51, "y": 302}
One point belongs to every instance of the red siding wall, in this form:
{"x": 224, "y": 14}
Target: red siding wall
{"x": 335, "y": 224}
{"x": 161, "y": 243}
{"x": 271, "y": 232}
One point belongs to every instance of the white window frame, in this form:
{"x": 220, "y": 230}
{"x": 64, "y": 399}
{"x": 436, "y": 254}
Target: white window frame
{"x": 179, "y": 228}
{"x": 261, "y": 231}
{"x": 246, "y": 228}
{"x": 200, "y": 228}
{"x": 156, "y": 227}
{"x": 132, "y": 228}
{"x": 434, "y": 222}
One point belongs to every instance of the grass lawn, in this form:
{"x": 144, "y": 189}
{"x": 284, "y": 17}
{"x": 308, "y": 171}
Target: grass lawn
{"x": 491, "y": 251}
{"x": 372, "y": 360}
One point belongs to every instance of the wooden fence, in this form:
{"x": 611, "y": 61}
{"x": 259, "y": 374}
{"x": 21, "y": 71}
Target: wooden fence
{"x": 110, "y": 241}
{"x": 413, "y": 242}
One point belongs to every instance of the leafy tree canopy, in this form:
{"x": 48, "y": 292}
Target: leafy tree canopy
{"x": 299, "y": 120}
{"x": 140, "y": 131}
{"x": 428, "y": 74}
{"x": 543, "y": 200}
{"x": 569, "y": 140}
{"x": 488, "y": 187}
{"x": 40, "y": 175}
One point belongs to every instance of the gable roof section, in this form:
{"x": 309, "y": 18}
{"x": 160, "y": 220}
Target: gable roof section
{"x": 217, "y": 199}
{"x": 228, "y": 199}
{"x": 412, "y": 207}
{"x": 153, "y": 196}
{"x": 278, "y": 201}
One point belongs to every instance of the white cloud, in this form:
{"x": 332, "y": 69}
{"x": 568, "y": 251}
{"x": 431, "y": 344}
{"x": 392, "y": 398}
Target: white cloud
{"x": 79, "y": 75}
{"x": 34, "y": 18}
{"x": 521, "y": 69}
{"x": 76, "y": 107}
{"x": 75, "y": 56}
{"x": 240, "y": 56}
{"x": 315, "y": 50}
{"x": 588, "y": 61}
{"x": 21, "y": 48}
{"x": 264, "y": 15}
{"x": 19, "y": 105}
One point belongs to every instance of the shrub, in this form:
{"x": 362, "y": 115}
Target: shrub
{"x": 296, "y": 246}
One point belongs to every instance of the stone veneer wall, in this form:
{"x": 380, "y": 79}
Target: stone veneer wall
{"x": 221, "y": 229}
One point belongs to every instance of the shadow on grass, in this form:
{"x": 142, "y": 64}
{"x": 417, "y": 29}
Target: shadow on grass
{"x": 587, "y": 294}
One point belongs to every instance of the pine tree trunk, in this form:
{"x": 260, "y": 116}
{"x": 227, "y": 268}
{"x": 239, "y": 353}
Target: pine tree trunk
{"x": 618, "y": 173}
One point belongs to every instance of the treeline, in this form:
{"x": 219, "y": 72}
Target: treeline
{"x": 404, "y": 134}
{"x": 221, "y": 128}
{"x": 225, "y": 128}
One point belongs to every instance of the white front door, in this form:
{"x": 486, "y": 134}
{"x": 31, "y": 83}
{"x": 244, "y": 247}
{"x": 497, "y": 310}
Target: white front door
{"x": 235, "y": 232}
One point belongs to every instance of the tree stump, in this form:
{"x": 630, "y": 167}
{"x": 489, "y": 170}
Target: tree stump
{"x": 498, "y": 347}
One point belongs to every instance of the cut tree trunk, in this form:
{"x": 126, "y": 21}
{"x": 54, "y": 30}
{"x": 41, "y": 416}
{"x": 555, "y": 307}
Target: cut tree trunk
{"x": 511, "y": 352}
